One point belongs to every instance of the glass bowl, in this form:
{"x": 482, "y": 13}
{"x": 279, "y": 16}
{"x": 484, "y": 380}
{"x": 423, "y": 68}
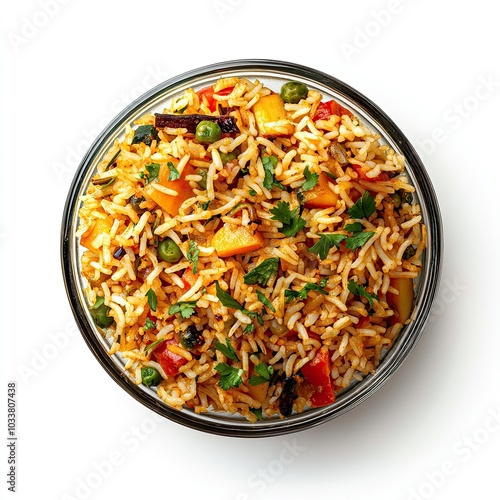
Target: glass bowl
{"x": 273, "y": 74}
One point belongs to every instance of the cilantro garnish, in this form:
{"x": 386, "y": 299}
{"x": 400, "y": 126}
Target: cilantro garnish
{"x": 363, "y": 207}
{"x": 227, "y": 350}
{"x": 264, "y": 373}
{"x": 265, "y": 301}
{"x": 308, "y": 287}
{"x": 311, "y": 179}
{"x": 115, "y": 156}
{"x": 252, "y": 192}
{"x": 153, "y": 172}
{"x": 355, "y": 227}
{"x": 225, "y": 299}
{"x": 358, "y": 239}
{"x": 291, "y": 219}
{"x": 229, "y": 376}
{"x": 249, "y": 328}
{"x": 258, "y": 413}
{"x": 153, "y": 345}
{"x": 325, "y": 243}
{"x": 228, "y": 301}
{"x": 174, "y": 173}
{"x": 185, "y": 308}
{"x": 360, "y": 290}
{"x": 150, "y": 324}
{"x": 152, "y": 300}
{"x": 193, "y": 254}
{"x": 260, "y": 274}
{"x": 269, "y": 163}
{"x": 204, "y": 206}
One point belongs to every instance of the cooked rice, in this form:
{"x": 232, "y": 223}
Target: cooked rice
{"x": 355, "y": 335}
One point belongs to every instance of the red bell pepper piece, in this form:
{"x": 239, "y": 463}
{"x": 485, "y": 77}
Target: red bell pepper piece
{"x": 362, "y": 174}
{"x": 169, "y": 361}
{"x": 317, "y": 373}
{"x": 329, "y": 108}
{"x": 208, "y": 92}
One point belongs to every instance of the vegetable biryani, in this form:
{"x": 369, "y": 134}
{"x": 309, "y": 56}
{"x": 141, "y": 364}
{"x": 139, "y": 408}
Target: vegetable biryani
{"x": 250, "y": 250}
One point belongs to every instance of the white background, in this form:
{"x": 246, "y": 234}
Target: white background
{"x": 432, "y": 431}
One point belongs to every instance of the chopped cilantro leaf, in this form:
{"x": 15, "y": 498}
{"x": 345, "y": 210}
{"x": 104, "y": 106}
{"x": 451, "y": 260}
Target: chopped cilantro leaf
{"x": 252, "y": 192}
{"x": 193, "y": 254}
{"x": 226, "y": 299}
{"x": 229, "y": 376}
{"x": 150, "y": 324}
{"x": 326, "y": 242}
{"x": 363, "y": 207}
{"x": 115, "y": 156}
{"x": 360, "y": 290}
{"x": 308, "y": 287}
{"x": 265, "y": 301}
{"x": 185, "y": 308}
{"x": 258, "y": 413}
{"x": 227, "y": 349}
{"x": 264, "y": 373}
{"x": 311, "y": 179}
{"x": 358, "y": 239}
{"x": 146, "y": 134}
{"x": 153, "y": 170}
{"x": 152, "y": 300}
{"x": 291, "y": 219}
{"x": 249, "y": 328}
{"x": 174, "y": 173}
{"x": 153, "y": 345}
{"x": 204, "y": 206}
{"x": 269, "y": 163}
{"x": 260, "y": 274}
{"x": 355, "y": 227}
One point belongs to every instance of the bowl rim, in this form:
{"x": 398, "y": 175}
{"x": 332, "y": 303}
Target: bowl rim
{"x": 405, "y": 342}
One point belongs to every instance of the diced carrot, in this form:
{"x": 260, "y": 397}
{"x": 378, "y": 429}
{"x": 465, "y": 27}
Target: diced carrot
{"x": 270, "y": 116}
{"x": 234, "y": 240}
{"x": 321, "y": 196}
{"x": 402, "y": 303}
{"x": 89, "y": 238}
{"x": 168, "y": 202}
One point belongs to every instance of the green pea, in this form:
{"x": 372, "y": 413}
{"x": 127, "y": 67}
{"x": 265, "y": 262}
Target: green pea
{"x": 409, "y": 253}
{"x": 99, "y": 312}
{"x": 225, "y": 157}
{"x": 293, "y": 92}
{"x": 207, "y": 132}
{"x": 169, "y": 251}
{"x": 396, "y": 199}
{"x": 150, "y": 376}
